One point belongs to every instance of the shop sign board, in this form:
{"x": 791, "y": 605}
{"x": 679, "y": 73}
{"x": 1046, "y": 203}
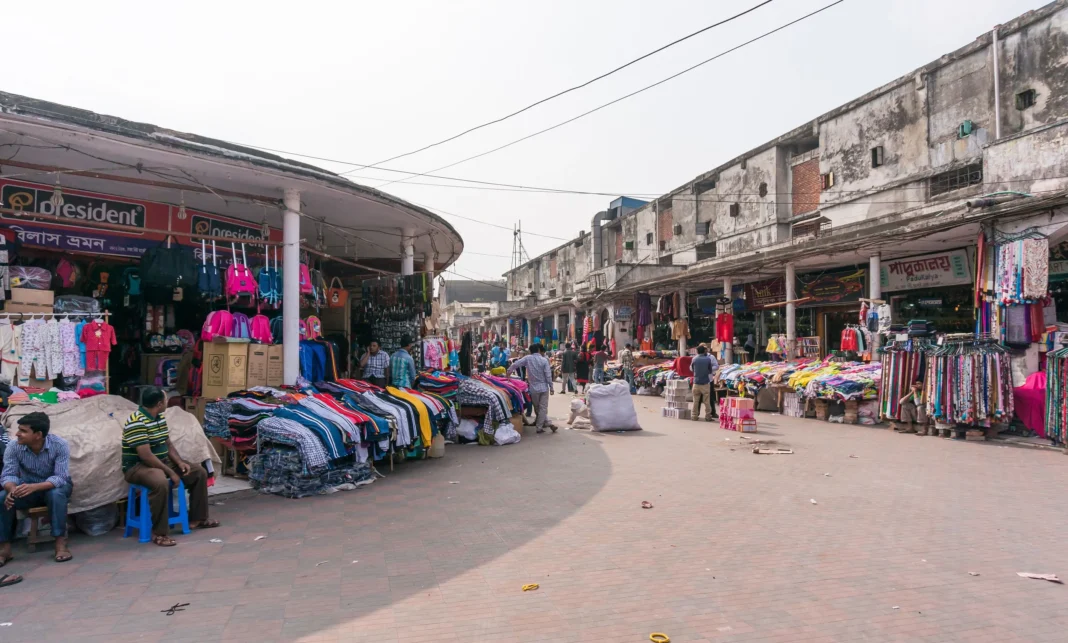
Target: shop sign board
{"x": 623, "y": 312}
{"x": 80, "y": 209}
{"x": 831, "y": 287}
{"x": 764, "y": 293}
{"x": 928, "y": 271}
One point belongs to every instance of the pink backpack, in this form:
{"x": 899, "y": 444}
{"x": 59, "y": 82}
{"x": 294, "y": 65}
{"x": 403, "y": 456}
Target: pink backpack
{"x": 306, "y": 286}
{"x": 261, "y": 329}
{"x": 219, "y": 323}
{"x": 314, "y": 327}
{"x": 239, "y": 279}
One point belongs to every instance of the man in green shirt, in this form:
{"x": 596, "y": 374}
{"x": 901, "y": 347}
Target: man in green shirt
{"x": 149, "y": 459}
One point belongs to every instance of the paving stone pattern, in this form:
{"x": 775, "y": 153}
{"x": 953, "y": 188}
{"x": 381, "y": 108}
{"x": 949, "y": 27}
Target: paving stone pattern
{"x": 733, "y": 549}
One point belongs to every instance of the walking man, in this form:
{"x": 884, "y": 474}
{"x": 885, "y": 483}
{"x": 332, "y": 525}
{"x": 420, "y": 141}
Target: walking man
{"x": 568, "y": 361}
{"x": 149, "y": 459}
{"x": 540, "y": 378}
{"x": 402, "y": 366}
{"x": 704, "y": 367}
{"x": 36, "y": 474}
{"x": 375, "y": 364}
{"x": 599, "y": 360}
{"x": 626, "y": 363}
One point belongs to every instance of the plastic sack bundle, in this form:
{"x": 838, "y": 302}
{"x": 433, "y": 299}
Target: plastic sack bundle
{"x": 611, "y": 408}
{"x": 30, "y": 277}
{"x": 76, "y": 305}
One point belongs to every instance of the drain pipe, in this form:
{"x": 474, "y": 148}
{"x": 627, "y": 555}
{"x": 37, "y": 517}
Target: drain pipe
{"x": 997, "y": 85}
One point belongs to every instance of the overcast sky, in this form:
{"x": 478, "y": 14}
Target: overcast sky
{"x": 364, "y": 81}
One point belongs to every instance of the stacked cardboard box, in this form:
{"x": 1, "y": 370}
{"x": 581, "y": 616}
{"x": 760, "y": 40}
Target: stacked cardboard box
{"x": 737, "y": 414}
{"x": 676, "y": 397}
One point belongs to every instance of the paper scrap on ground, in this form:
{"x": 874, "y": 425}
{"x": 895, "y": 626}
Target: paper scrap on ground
{"x": 322, "y": 562}
{"x": 259, "y": 537}
{"x": 215, "y": 540}
{"x": 813, "y": 501}
{"x": 854, "y": 456}
{"x": 760, "y": 451}
{"x": 826, "y": 475}
{"x": 1050, "y": 577}
{"x": 646, "y": 504}
{"x": 895, "y": 607}
{"x": 973, "y": 573}
{"x": 454, "y": 482}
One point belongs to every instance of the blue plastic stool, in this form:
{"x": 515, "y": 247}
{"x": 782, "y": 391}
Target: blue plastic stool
{"x": 139, "y": 516}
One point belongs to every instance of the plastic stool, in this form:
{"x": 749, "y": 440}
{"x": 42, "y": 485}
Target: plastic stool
{"x": 139, "y": 516}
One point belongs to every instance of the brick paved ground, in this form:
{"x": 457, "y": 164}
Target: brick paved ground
{"x": 733, "y": 550}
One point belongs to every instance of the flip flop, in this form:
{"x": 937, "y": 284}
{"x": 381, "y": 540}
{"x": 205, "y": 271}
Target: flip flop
{"x": 63, "y": 556}
{"x": 208, "y": 524}
{"x": 7, "y": 580}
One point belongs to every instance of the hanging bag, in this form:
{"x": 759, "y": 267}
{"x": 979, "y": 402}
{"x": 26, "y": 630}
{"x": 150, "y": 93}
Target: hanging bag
{"x": 209, "y": 281}
{"x": 306, "y": 285}
{"x": 239, "y": 279}
{"x": 336, "y": 296}
{"x": 260, "y": 329}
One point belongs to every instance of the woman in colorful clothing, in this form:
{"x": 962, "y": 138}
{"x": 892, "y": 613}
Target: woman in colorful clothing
{"x": 582, "y": 370}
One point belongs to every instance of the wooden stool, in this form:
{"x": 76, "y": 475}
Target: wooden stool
{"x": 34, "y": 514}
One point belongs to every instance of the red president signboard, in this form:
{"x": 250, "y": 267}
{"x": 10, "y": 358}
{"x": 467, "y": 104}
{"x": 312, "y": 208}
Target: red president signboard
{"x": 71, "y": 228}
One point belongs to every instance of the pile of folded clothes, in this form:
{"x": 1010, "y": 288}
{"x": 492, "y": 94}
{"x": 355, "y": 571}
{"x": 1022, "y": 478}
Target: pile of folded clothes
{"x": 280, "y": 470}
{"x": 442, "y": 383}
{"x": 217, "y": 418}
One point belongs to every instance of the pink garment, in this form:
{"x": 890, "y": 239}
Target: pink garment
{"x": 1030, "y": 403}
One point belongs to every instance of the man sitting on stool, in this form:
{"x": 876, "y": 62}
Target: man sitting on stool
{"x": 36, "y": 474}
{"x": 912, "y": 410}
{"x": 149, "y": 459}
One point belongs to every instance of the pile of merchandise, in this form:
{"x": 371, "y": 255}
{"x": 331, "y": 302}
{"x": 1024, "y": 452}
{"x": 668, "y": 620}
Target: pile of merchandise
{"x": 904, "y": 362}
{"x": 968, "y": 381}
{"x": 839, "y": 381}
{"x": 654, "y": 375}
{"x": 749, "y": 379}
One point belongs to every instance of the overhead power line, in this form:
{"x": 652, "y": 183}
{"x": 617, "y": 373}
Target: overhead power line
{"x": 569, "y": 90}
{"x": 622, "y": 98}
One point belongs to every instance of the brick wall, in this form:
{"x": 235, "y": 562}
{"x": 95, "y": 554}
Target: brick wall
{"x": 619, "y": 244}
{"x": 665, "y": 224}
{"x": 806, "y": 186}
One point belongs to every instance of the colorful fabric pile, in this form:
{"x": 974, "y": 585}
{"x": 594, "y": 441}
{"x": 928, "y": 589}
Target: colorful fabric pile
{"x": 443, "y": 383}
{"x": 903, "y": 363}
{"x": 749, "y": 379}
{"x": 844, "y": 381}
{"x": 281, "y": 470}
{"x": 968, "y": 382}
{"x": 217, "y": 419}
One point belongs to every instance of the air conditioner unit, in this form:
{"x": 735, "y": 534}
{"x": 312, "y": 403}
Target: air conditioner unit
{"x": 628, "y": 245}
{"x": 678, "y": 228}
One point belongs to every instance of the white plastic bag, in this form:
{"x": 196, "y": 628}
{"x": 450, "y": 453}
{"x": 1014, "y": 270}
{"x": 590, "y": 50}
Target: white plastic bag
{"x": 578, "y": 410}
{"x": 505, "y": 434}
{"x": 611, "y": 407}
{"x": 468, "y": 429}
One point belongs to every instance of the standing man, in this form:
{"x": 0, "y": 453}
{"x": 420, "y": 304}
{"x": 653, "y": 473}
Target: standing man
{"x": 36, "y": 474}
{"x": 375, "y": 364}
{"x": 540, "y": 377}
{"x": 402, "y": 366}
{"x": 567, "y": 369}
{"x": 150, "y": 459}
{"x": 704, "y": 367}
{"x": 599, "y": 360}
{"x": 626, "y": 362}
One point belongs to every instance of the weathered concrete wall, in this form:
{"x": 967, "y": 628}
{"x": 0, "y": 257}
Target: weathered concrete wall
{"x": 1035, "y": 57}
{"x": 960, "y": 91}
{"x": 1035, "y": 162}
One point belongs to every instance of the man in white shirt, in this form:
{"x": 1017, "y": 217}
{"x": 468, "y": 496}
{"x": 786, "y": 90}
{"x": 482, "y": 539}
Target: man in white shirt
{"x": 540, "y": 378}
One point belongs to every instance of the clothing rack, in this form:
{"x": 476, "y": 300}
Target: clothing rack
{"x": 6, "y": 317}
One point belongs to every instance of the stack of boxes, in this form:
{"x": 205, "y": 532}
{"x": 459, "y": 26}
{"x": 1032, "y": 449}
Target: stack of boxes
{"x": 677, "y": 396}
{"x": 737, "y": 414}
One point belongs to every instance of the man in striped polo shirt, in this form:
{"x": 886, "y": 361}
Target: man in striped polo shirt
{"x": 149, "y": 459}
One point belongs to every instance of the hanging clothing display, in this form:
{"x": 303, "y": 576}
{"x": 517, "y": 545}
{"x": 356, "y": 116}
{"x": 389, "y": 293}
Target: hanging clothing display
{"x": 968, "y": 381}
{"x": 1022, "y": 270}
{"x": 904, "y": 363}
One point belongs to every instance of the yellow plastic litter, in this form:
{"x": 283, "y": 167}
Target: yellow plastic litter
{"x": 531, "y": 587}
{"x": 657, "y": 637}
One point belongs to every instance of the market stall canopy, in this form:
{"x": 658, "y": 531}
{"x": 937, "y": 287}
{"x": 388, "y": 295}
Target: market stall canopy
{"x": 54, "y": 144}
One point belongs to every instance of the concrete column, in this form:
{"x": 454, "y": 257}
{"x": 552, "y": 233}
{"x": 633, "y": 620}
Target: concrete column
{"x": 682, "y": 315}
{"x": 728, "y": 292}
{"x": 572, "y": 316}
{"x": 407, "y": 251}
{"x": 791, "y": 311}
{"x": 291, "y": 286}
{"x": 429, "y": 259}
{"x": 875, "y": 288}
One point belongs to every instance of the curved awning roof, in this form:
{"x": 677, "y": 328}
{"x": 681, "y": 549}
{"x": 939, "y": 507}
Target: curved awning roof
{"x": 44, "y": 142}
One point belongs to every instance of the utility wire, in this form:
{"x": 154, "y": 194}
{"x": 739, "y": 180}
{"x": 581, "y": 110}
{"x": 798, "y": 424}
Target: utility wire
{"x": 569, "y": 90}
{"x": 621, "y": 98}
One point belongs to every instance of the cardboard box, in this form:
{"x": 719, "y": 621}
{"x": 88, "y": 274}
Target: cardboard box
{"x": 275, "y": 363}
{"x": 30, "y": 296}
{"x": 225, "y": 367}
{"x": 150, "y": 365}
{"x": 257, "y": 365}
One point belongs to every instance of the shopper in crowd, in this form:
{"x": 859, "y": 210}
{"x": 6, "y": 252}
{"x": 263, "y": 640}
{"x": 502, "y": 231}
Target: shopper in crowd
{"x": 540, "y": 379}
{"x": 150, "y": 459}
{"x": 483, "y": 357}
{"x": 36, "y": 473}
{"x": 913, "y": 410}
{"x": 568, "y": 361}
{"x": 375, "y": 364}
{"x": 626, "y": 363}
{"x": 402, "y": 366}
{"x": 600, "y": 358}
{"x": 582, "y": 369}
{"x": 704, "y": 368}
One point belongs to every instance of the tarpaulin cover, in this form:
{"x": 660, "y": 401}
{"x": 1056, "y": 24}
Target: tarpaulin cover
{"x": 611, "y": 408}
{"x": 93, "y": 429}
{"x": 1030, "y": 403}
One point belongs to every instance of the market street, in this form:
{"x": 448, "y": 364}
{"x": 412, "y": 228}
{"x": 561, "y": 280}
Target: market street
{"x": 733, "y": 550}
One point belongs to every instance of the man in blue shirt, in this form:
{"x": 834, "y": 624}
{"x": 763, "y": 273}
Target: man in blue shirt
{"x": 36, "y": 473}
{"x": 540, "y": 379}
{"x": 704, "y": 368}
{"x": 402, "y": 366}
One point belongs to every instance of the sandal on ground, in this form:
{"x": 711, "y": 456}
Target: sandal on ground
{"x": 164, "y": 541}
{"x": 207, "y": 524}
{"x": 9, "y": 579}
{"x": 63, "y": 556}
{"x": 540, "y": 431}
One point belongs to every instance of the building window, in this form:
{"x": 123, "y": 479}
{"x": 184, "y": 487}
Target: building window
{"x": 706, "y": 251}
{"x": 648, "y": 238}
{"x": 957, "y": 179}
{"x": 827, "y": 180}
{"x": 1025, "y": 99}
{"x": 678, "y": 228}
{"x": 877, "y": 158}
{"x": 735, "y": 209}
{"x": 763, "y": 190}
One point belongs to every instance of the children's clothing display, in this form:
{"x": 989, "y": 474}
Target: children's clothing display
{"x": 98, "y": 337}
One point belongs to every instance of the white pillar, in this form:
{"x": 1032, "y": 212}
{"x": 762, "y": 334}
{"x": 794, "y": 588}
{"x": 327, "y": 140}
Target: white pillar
{"x": 791, "y": 311}
{"x": 728, "y": 292}
{"x": 875, "y": 288}
{"x": 407, "y": 251}
{"x": 429, "y": 261}
{"x": 291, "y": 286}
{"x": 682, "y": 315}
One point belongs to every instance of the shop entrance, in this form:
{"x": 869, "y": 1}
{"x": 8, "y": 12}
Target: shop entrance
{"x": 834, "y": 321}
